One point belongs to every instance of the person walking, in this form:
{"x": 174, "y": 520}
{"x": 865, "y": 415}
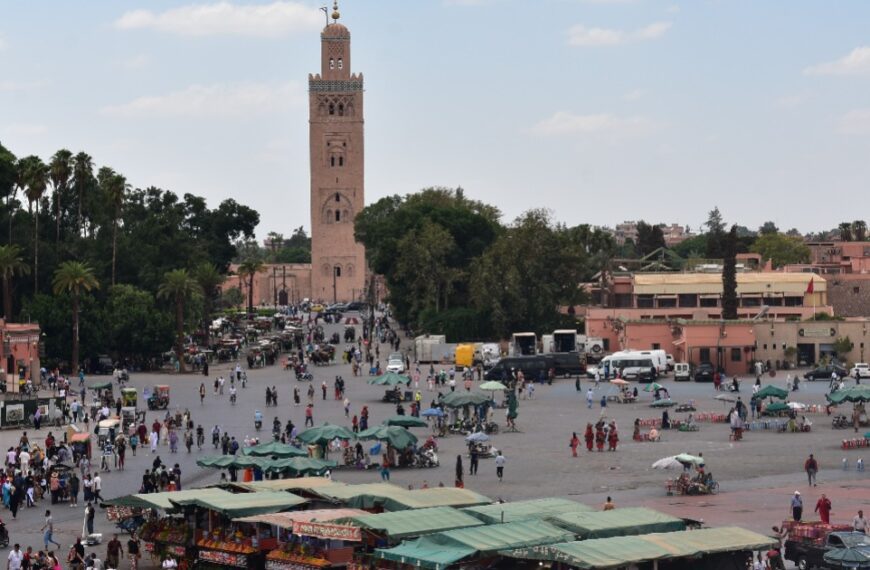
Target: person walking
{"x": 90, "y": 512}
{"x": 797, "y": 506}
{"x": 499, "y": 465}
{"x": 811, "y": 466}
{"x": 574, "y": 443}
{"x": 859, "y": 523}
{"x": 114, "y": 552}
{"x": 385, "y": 468}
{"x": 459, "y": 473}
{"x": 48, "y": 531}
{"x": 309, "y": 416}
{"x": 823, "y": 507}
{"x": 589, "y": 437}
{"x": 590, "y": 396}
{"x": 133, "y": 551}
{"x": 474, "y": 458}
{"x": 323, "y": 388}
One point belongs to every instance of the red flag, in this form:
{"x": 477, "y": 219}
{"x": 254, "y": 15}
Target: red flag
{"x": 810, "y": 286}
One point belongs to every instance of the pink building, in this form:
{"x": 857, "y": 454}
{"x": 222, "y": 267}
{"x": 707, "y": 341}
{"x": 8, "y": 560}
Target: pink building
{"x": 19, "y": 353}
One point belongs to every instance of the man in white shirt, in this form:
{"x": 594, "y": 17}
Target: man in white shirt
{"x": 13, "y": 562}
{"x": 24, "y": 459}
{"x": 499, "y": 465}
{"x": 859, "y": 523}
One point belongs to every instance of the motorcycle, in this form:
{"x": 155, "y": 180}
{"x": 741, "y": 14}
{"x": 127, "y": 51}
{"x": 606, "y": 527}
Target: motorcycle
{"x": 841, "y": 422}
{"x": 426, "y": 458}
{"x": 304, "y": 376}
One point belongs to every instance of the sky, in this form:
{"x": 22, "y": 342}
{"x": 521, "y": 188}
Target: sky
{"x": 598, "y": 110}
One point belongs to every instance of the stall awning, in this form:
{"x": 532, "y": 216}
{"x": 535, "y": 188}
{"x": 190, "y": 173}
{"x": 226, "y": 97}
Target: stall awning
{"x": 293, "y": 484}
{"x": 395, "y": 498}
{"x": 621, "y": 551}
{"x": 244, "y": 504}
{"x": 286, "y": 520}
{"x": 416, "y": 522}
{"x": 618, "y": 522}
{"x": 161, "y": 500}
{"x": 437, "y": 551}
{"x": 524, "y": 510}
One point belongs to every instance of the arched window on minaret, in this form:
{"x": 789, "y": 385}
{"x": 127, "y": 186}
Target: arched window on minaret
{"x": 338, "y": 215}
{"x": 341, "y": 109}
{"x": 340, "y": 63}
{"x": 349, "y": 270}
{"x": 328, "y": 216}
{"x": 337, "y": 197}
{"x": 337, "y": 270}
{"x": 332, "y": 160}
{"x": 341, "y": 161}
{"x": 332, "y": 64}
{"x": 332, "y": 108}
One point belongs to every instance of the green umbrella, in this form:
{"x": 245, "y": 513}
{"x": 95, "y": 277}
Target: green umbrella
{"x": 390, "y": 379}
{"x": 459, "y": 399}
{"x": 397, "y": 437}
{"x": 776, "y": 408}
{"x": 275, "y": 449}
{"x": 405, "y": 421}
{"x": 771, "y": 391}
{"x": 299, "y": 466}
{"x": 690, "y": 459}
{"x": 854, "y": 394}
{"x": 653, "y": 387}
{"x": 848, "y": 558}
{"x": 324, "y": 434}
{"x": 224, "y": 461}
{"x": 492, "y": 385}
{"x": 663, "y": 403}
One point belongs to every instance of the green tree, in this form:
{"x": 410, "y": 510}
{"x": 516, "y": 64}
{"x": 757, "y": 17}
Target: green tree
{"x": 859, "y": 230}
{"x": 716, "y": 235}
{"x": 179, "y": 286}
{"x": 729, "y": 276}
{"x": 209, "y": 279}
{"x": 845, "y": 229}
{"x": 36, "y": 176}
{"x": 11, "y": 266}
{"x": 138, "y": 329}
{"x": 248, "y": 270}
{"x": 768, "y": 228}
{"x": 60, "y": 172}
{"x": 843, "y": 346}
{"x": 424, "y": 268}
{"x": 649, "y": 238}
{"x": 781, "y": 249}
{"x": 74, "y": 278}
{"x": 114, "y": 188}
{"x": 8, "y": 182}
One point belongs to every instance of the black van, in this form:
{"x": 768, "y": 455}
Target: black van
{"x": 566, "y": 363}
{"x": 532, "y": 366}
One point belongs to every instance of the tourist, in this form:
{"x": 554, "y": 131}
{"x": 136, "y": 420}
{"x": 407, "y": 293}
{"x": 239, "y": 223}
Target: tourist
{"x": 797, "y": 506}
{"x": 499, "y": 465}
{"x": 48, "y": 531}
{"x": 114, "y": 552}
{"x": 811, "y": 466}
{"x": 859, "y": 523}
{"x": 589, "y": 398}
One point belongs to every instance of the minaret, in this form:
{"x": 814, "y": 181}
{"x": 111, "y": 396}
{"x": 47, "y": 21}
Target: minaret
{"x": 335, "y": 95}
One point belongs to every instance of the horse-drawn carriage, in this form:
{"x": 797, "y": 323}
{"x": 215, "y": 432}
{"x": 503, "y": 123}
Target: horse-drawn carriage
{"x": 323, "y": 355}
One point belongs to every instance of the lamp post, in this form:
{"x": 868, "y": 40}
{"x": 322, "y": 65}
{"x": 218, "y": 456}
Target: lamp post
{"x": 335, "y": 271}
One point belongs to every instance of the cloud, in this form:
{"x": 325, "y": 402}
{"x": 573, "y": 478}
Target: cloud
{"x": 857, "y": 62}
{"x": 581, "y": 35}
{"x": 220, "y": 100}
{"x": 855, "y": 122}
{"x": 9, "y": 86}
{"x": 223, "y": 18}
{"x": 564, "y": 123}
{"x": 24, "y": 130}
{"x": 2, "y": 44}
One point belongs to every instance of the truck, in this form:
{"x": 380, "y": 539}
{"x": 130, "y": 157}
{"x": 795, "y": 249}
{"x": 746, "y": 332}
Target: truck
{"x": 592, "y": 346}
{"x": 523, "y": 344}
{"x": 487, "y": 354}
{"x": 808, "y": 542}
{"x": 464, "y": 355}
{"x": 560, "y": 341}
{"x": 434, "y": 349}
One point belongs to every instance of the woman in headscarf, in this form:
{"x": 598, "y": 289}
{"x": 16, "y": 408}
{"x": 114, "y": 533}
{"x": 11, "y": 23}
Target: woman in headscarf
{"x": 459, "y": 472}
{"x": 589, "y": 436}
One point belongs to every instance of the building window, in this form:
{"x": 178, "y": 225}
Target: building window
{"x": 704, "y": 354}
{"x": 337, "y": 197}
{"x": 341, "y": 161}
{"x": 337, "y": 216}
{"x": 331, "y": 63}
{"x": 794, "y": 301}
{"x": 667, "y": 302}
{"x": 750, "y": 302}
{"x": 656, "y": 346}
{"x": 735, "y": 355}
{"x": 332, "y": 108}
{"x": 341, "y": 109}
{"x": 331, "y": 161}
{"x": 856, "y": 290}
{"x": 338, "y": 271}
{"x": 688, "y": 300}
{"x": 709, "y": 302}
{"x": 645, "y": 302}
{"x": 764, "y": 346}
{"x": 340, "y": 63}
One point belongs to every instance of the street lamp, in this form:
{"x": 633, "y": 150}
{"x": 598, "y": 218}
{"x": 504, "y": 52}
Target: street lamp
{"x": 336, "y": 271}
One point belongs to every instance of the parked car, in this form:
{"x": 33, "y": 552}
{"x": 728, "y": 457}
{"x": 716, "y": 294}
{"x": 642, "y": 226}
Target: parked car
{"x": 396, "y": 363}
{"x": 682, "y": 372}
{"x": 824, "y": 372}
{"x": 704, "y": 372}
{"x": 356, "y": 306}
{"x": 810, "y": 553}
{"x": 860, "y": 370}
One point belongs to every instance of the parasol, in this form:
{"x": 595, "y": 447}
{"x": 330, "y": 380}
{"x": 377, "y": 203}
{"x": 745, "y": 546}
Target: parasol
{"x": 397, "y": 437}
{"x": 619, "y": 382}
{"x": 653, "y": 387}
{"x": 432, "y": 413}
{"x": 325, "y": 433}
{"x": 390, "y": 379}
{"x": 667, "y": 463}
{"x": 477, "y": 437}
{"x": 405, "y": 421}
{"x": 666, "y": 403}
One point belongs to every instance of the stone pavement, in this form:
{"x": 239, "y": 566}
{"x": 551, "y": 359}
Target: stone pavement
{"x": 757, "y": 475}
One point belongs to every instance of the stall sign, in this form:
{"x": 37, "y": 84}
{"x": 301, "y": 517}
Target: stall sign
{"x": 225, "y": 558}
{"x": 278, "y": 565}
{"x": 327, "y": 531}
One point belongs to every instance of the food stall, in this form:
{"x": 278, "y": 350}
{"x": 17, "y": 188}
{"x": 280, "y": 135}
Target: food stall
{"x": 80, "y": 444}
{"x": 306, "y": 540}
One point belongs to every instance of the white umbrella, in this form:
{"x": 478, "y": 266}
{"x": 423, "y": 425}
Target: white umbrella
{"x": 797, "y": 406}
{"x": 667, "y": 463}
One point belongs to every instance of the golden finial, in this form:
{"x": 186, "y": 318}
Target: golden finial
{"x": 335, "y": 14}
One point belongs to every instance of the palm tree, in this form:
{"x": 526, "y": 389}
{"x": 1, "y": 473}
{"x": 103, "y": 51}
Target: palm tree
{"x": 36, "y": 175}
{"x": 20, "y": 184}
{"x": 249, "y": 269}
{"x": 179, "y": 285}
{"x": 209, "y": 279}
{"x": 83, "y": 174}
{"x": 11, "y": 265}
{"x": 115, "y": 187}
{"x": 60, "y": 169}
{"x": 75, "y": 278}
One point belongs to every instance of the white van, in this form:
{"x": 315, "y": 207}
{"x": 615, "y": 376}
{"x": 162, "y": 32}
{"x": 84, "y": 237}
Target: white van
{"x": 682, "y": 372}
{"x": 659, "y": 358}
{"x": 634, "y": 365}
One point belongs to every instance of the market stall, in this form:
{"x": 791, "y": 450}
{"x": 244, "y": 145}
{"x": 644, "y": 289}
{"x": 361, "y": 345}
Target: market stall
{"x": 377, "y": 497}
{"x": 617, "y": 522}
{"x": 305, "y": 540}
{"x": 524, "y": 510}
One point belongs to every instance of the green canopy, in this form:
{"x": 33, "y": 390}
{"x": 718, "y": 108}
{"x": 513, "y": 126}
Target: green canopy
{"x": 653, "y": 387}
{"x": 492, "y": 385}
{"x": 390, "y": 379}
{"x": 524, "y": 510}
{"x": 438, "y": 551}
{"x": 464, "y": 398}
{"x": 394, "y": 498}
{"x": 101, "y": 386}
{"x": 666, "y": 403}
{"x": 226, "y": 461}
{"x": 848, "y": 558}
{"x": 160, "y": 501}
{"x": 243, "y": 504}
{"x": 618, "y": 522}
{"x": 855, "y": 394}
{"x": 776, "y": 408}
{"x": 299, "y": 466}
{"x": 398, "y": 437}
{"x": 415, "y": 522}
{"x": 622, "y": 551}
{"x": 405, "y": 421}
{"x": 324, "y": 434}
{"x": 771, "y": 391}
{"x": 690, "y": 459}
{"x": 275, "y": 449}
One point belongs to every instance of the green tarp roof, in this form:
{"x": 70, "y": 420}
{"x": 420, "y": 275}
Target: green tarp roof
{"x": 853, "y": 394}
{"x": 295, "y": 484}
{"x": 244, "y": 504}
{"x": 621, "y": 551}
{"x": 416, "y": 522}
{"x": 618, "y": 522}
{"x": 437, "y": 551}
{"x": 524, "y": 510}
{"x": 161, "y": 500}
{"x": 395, "y": 498}
{"x": 275, "y": 449}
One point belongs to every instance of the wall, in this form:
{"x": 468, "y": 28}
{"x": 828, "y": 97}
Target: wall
{"x": 19, "y": 350}
{"x": 293, "y": 278}
{"x": 849, "y": 295}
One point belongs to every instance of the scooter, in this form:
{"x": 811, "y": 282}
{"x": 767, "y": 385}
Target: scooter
{"x": 304, "y": 376}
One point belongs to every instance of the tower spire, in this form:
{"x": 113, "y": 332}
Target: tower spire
{"x": 335, "y": 14}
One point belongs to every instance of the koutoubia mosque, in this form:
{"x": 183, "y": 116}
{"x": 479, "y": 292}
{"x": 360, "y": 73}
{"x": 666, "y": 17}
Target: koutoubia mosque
{"x": 336, "y": 138}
